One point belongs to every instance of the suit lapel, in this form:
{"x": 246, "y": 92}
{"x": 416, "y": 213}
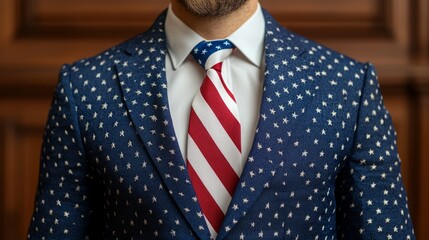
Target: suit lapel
{"x": 143, "y": 82}
{"x": 288, "y": 89}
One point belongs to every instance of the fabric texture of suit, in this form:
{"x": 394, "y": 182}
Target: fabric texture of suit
{"x": 324, "y": 162}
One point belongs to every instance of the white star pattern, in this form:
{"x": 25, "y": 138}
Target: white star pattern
{"x": 324, "y": 162}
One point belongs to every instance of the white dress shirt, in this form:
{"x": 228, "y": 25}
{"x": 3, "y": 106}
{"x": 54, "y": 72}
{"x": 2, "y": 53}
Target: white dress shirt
{"x": 243, "y": 70}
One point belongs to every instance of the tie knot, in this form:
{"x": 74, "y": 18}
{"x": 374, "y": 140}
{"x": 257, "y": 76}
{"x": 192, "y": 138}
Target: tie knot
{"x": 210, "y": 53}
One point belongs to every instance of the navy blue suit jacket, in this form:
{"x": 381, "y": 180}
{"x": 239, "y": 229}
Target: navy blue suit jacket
{"x": 324, "y": 161}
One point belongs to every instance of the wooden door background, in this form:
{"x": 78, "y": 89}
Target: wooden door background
{"x": 37, "y": 36}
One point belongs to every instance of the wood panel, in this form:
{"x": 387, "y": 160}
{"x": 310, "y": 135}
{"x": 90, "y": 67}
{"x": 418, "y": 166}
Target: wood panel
{"x": 375, "y": 30}
{"x": 421, "y": 220}
{"x": 37, "y": 36}
{"x": 3, "y": 180}
{"x": 22, "y": 131}
{"x": 369, "y": 30}
{"x": 75, "y": 18}
{"x": 420, "y": 32}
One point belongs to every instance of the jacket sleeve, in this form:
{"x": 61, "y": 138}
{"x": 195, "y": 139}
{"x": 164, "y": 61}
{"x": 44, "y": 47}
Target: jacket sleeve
{"x": 62, "y": 208}
{"x": 371, "y": 200}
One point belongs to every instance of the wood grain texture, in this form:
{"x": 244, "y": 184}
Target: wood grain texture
{"x": 421, "y": 220}
{"x": 38, "y": 36}
{"x": 21, "y": 136}
{"x": 2, "y": 176}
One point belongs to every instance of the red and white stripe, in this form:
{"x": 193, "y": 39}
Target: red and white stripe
{"x": 214, "y": 146}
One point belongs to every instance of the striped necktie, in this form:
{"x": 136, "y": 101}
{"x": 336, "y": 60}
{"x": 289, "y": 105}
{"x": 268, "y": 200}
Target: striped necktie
{"x": 214, "y": 136}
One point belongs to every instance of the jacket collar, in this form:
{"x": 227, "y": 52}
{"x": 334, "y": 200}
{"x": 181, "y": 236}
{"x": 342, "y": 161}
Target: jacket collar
{"x": 248, "y": 39}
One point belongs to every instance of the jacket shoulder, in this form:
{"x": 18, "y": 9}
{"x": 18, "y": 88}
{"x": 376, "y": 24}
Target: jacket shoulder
{"x": 95, "y": 66}
{"x": 320, "y": 54}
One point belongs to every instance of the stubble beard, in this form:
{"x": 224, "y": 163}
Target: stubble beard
{"x": 212, "y": 8}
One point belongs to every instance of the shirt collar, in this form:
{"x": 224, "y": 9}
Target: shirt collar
{"x": 249, "y": 38}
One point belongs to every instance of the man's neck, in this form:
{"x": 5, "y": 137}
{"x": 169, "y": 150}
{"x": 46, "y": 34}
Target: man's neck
{"x": 209, "y": 27}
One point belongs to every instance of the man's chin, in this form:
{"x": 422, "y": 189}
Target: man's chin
{"x": 212, "y": 8}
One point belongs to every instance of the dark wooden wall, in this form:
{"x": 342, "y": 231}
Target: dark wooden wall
{"x": 37, "y": 36}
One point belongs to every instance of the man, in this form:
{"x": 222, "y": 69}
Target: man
{"x": 273, "y": 136}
